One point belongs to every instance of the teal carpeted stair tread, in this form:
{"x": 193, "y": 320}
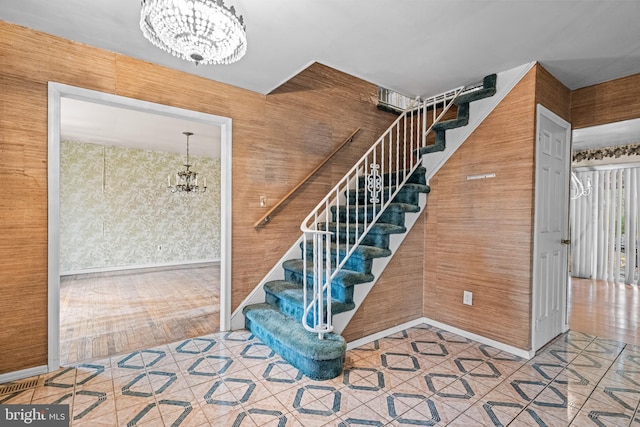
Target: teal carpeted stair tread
{"x": 390, "y": 178}
{"x": 461, "y": 120}
{"x": 406, "y": 190}
{"x": 315, "y": 358}
{"x": 433, "y": 148}
{"x": 488, "y": 90}
{"x": 393, "y": 214}
{"x": 289, "y": 298}
{"x": 377, "y": 236}
{"x": 419, "y": 188}
{"x": 344, "y": 278}
{"x": 362, "y": 251}
{"x": 361, "y": 260}
{"x": 393, "y": 206}
{"x": 377, "y": 228}
{"x": 409, "y": 186}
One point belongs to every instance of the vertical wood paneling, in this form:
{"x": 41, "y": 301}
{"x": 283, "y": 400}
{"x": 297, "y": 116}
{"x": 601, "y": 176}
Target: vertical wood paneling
{"x": 607, "y": 102}
{"x": 478, "y": 233}
{"x": 30, "y": 55}
{"x": 551, "y": 93}
{"x": 396, "y": 297}
{"x": 23, "y": 223}
{"x": 277, "y": 140}
{"x": 150, "y": 82}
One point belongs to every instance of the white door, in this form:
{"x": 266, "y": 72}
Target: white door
{"x": 550, "y": 249}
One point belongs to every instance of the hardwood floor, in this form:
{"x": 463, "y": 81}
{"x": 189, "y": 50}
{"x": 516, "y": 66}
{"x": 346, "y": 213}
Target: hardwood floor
{"x": 608, "y": 310}
{"x": 108, "y": 314}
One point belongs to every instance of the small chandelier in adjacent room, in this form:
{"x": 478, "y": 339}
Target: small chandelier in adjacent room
{"x": 187, "y": 180}
{"x": 202, "y": 31}
{"x": 578, "y": 189}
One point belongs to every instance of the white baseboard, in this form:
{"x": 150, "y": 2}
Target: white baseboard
{"x": 526, "y": 354}
{"x": 378, "y": 335}
{"x": 25, "y": 373}
{"x": 147, "y": 267}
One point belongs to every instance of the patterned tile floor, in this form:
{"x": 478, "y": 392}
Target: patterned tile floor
{"x": 420, "y": 376}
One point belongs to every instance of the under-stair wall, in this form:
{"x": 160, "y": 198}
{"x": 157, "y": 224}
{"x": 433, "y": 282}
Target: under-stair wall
{"x": 478, "y": 233}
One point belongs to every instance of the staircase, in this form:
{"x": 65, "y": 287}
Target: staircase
{"x": 347, "y": 231}
{"x": 487, "y": 89}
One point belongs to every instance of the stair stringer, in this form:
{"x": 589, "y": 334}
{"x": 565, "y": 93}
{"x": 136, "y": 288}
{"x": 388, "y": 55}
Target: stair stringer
{"x": 479, "y": 110}
{"x": 258, "y": 294}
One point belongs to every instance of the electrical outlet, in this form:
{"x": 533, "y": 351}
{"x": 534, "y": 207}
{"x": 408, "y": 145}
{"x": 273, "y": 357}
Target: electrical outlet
{"x": 467, "y": 298}
{"x": 263, "y": 201}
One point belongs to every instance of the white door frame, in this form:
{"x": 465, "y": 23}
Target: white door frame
{"x": 543, "y": 111}
{"x": 58, "y": 91}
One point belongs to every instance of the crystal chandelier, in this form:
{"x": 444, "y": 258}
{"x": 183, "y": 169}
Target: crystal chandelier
{"x": 187, "y": 180}
{"x": 202, "y": 31}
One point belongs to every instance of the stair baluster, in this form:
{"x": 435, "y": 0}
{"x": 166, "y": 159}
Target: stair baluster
{"x": 381, "y": 159}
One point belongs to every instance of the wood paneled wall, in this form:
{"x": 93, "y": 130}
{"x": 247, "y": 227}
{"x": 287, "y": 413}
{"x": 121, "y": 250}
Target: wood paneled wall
{"x": 396, "y": 297}
{"x": 551, "y": 93}
{"x": 607, "y": 102}
{"x": 478, "y": 234}
{"x": 277, "y": 140}
{"x": 475, "y": 235}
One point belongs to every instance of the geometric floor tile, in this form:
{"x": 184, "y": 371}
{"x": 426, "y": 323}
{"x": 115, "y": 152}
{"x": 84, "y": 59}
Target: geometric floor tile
{"x": 420, "y": 376}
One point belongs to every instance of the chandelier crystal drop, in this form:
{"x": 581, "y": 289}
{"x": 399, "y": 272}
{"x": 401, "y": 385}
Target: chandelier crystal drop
{"x": 186, "y": 180}
{"x": 201, "y": 31}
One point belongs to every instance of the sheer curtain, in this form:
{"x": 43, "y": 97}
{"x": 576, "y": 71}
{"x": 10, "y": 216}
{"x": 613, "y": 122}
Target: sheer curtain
{"x": 605, "y": 226}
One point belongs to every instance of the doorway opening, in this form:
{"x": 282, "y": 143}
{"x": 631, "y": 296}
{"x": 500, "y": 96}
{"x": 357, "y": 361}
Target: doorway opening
{"x": 605, "y": 231}
{"x": 162, "y": 254}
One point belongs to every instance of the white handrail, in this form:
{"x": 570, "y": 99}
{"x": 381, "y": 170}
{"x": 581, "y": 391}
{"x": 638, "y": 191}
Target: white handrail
{"x": 391, "y": 160}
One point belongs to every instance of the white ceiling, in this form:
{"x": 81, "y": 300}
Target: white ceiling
{"x": 416, "y": 47}
{"x": 609, "y": 135}
{"x": 115, "y": 126}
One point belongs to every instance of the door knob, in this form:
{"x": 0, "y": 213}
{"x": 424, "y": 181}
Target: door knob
{"x": 565, "y": 241}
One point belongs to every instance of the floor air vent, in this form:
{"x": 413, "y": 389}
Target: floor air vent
{"x": 15, "y": 387}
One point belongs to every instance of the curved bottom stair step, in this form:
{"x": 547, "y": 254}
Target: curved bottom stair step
{"x": 315, "y": 358}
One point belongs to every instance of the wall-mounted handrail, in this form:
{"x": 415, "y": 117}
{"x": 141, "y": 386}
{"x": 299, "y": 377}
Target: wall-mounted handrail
{"x": 267, "y": 216}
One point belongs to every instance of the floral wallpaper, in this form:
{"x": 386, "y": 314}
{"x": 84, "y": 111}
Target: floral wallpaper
{"x": 116, "y": 209}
